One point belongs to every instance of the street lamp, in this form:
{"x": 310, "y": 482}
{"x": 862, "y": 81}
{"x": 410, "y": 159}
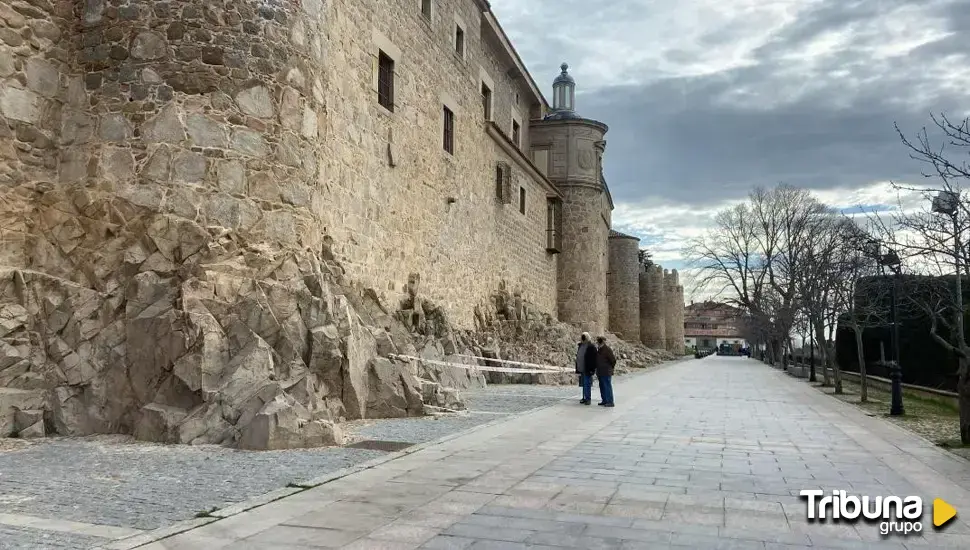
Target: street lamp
{"x": 948, "y": 203}
{"x": 891, "y": 260}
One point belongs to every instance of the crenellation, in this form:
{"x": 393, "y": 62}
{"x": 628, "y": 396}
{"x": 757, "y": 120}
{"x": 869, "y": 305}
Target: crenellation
{"x": 673, "y": 311}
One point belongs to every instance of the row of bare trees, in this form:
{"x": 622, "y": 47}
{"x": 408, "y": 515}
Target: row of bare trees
{"x": 791, "y": 262}
{"x": 786, "y": 259}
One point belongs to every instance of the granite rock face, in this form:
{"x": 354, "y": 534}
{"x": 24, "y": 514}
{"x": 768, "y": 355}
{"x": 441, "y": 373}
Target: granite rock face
{"x": 189, "y": 334}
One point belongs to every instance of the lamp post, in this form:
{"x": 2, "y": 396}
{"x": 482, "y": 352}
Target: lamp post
{"x": 891, "y": 260}
{"x": 948, "y": 203}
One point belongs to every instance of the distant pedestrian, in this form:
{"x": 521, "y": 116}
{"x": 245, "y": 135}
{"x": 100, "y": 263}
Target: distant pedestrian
{"x": 605, "y": 363}
{"x": 586, "y": 366}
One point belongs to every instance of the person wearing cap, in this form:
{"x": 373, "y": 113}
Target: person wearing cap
{"x": 586, "y": 366}
{"x": 605, "y": 362}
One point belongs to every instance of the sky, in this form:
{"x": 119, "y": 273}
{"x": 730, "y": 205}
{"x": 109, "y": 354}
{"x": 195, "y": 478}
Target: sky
{"x": 707, "y": 99}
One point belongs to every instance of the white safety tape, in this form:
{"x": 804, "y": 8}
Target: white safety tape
{"x": 471, "y": 367}
{"x": 506, "y": 361}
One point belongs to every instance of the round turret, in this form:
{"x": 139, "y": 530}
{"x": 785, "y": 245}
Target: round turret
{"x": 576, "y": 147}
{"x": 623, "y": 286}
{"x": 674, "y": 311}
{"x": 653, "y": 325}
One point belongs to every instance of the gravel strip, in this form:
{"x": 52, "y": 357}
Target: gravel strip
{"x": 21, "y": 538}
{"x": 114, "y": 480}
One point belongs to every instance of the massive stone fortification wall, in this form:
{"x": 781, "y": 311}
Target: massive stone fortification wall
{"x": 420, "y": 209}
{"x": 168, "y": 273}
{"x": 653, "y": 322}
{"x": 673, "y": 311}
{"x": 623, "y": 285}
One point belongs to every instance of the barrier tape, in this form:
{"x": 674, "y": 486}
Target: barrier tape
{"x": 472, "y": 367}
{"x": 536, "y": 365}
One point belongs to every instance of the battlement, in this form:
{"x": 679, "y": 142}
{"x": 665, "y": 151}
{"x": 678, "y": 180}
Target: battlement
{"x": 671, "y": 279}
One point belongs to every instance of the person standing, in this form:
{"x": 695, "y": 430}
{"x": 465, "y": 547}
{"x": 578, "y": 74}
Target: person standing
{"x": 605, "y": 363}
{"x": 586, "y": 366}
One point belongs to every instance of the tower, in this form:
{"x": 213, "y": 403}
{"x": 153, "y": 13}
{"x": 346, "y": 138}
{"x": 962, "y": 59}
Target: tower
{"x": 575, "y": 147}
{"x": 673, "y": 294}
{"x": 623, "y": 285}
{"x": 653, "y": 324}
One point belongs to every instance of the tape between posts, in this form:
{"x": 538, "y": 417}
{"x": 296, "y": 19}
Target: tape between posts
{"x": 477, "y": 367}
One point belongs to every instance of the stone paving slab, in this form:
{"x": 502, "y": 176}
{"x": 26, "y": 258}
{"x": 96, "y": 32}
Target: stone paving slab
{"x": 707, "y": 453}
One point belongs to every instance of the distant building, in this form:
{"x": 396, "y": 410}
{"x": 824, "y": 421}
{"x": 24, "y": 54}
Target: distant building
{"x": 709, "y": 324}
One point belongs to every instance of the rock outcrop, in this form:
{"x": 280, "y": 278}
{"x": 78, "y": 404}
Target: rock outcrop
{"x": 145, "y": 323}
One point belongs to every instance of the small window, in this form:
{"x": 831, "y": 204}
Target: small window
{"x": 426, "y": 9}
{"x": 516, "y": 133}
{"x": 385, "y": 81}
{"x": 553, "y": 225}
{"x": 449, "y": 133}
{"x": 459, "y": 41}
{"x": 486, "y": 101}
{"x": 503, "y": 182}
{"x": 522, "y": 200}
{"x": 516, "y": 98}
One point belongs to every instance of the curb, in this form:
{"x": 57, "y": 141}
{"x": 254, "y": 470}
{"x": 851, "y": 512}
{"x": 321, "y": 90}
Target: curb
{"x": 142, "y": 539}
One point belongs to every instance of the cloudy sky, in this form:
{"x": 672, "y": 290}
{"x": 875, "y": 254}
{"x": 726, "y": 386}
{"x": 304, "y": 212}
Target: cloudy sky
{"x": 706, "y": 99}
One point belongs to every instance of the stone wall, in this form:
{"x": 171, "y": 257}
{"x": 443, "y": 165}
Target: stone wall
{"x": 36, "y": 90}
{"x": 674, "y": 311}
{"x": 653, "y": 323}
{"x": 428, "y": 212}
{"x": 623, "y": 285}
{"x": 174, "y": 279}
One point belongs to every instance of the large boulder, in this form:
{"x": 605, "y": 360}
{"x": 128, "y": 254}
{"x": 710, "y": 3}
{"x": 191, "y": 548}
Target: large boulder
{"x": 285, "y": 424}
{"x": 14, "y": 407}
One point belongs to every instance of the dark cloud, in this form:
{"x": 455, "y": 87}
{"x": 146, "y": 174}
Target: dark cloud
{"x": 794, "y": 112}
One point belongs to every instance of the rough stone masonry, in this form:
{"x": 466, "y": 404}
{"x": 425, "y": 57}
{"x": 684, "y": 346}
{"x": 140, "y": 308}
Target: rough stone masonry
{"x": 211, "y": 231}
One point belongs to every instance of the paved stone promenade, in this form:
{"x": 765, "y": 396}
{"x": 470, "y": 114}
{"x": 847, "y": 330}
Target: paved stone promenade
{"x": 701, "y": 454}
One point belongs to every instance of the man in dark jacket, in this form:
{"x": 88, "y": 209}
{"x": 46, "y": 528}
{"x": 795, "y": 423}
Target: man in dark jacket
{"x": 605, "y": 362}
{"x": 586, "y": 366}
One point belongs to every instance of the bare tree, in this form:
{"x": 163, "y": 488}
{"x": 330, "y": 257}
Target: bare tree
{"x": 754, "y": 255}
{"x": 862, "y": 295}
{"x": 933, "y": 239}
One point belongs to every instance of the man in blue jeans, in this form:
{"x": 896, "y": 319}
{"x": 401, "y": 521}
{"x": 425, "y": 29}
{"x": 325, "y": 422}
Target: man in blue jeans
{"x": 586, "y": 366}
{"x": 605, "y": 362}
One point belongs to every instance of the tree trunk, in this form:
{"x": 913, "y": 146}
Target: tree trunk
{"x": 823, "y": 352}
{"x": 860, "y": 351}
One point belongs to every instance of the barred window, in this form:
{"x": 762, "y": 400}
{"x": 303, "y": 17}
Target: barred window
{"x": 553, "y": 225}
{"x": 385, "y": 81}
{"x": 449, "y": 132}
{"x": 486, "y": 101}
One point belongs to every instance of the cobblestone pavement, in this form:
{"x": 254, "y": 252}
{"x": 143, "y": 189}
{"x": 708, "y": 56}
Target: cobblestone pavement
{"x": 708, "y": 453}
{"x": 112, "y": 481}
